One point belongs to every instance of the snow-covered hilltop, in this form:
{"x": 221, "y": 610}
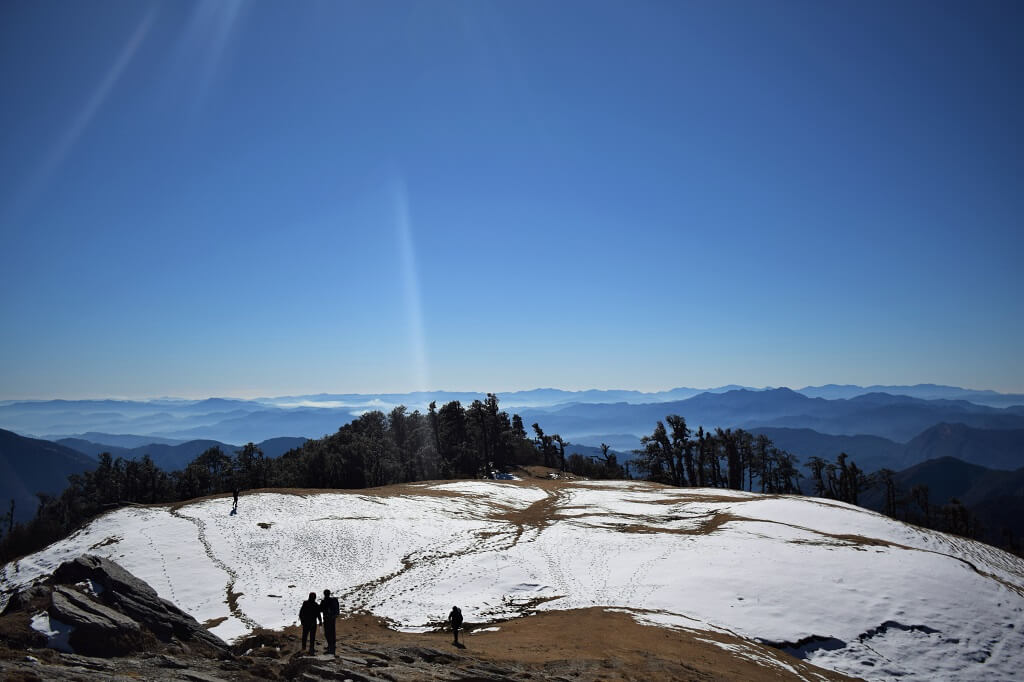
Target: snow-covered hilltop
{"x": 844, "y": 588}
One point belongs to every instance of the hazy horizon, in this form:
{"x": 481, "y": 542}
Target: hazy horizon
{"x": 218, "y": 198}
{"x": 483, "y": 391}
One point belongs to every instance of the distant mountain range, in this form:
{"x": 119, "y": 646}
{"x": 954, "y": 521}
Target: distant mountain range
{"x": 546, "y": 397}
{"x": 992, "y": 448}
{"x": 312, "y": 416}
{"x": 870, "y": 453}
{"x": 894, "y": 417}
{"x": 177, "y": 456}
{"x": 923, "y": 391}
{"x": 865, "y": 418}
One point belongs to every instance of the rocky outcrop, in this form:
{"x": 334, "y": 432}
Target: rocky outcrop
{"x": 92, "y": 628}
{"x": 120, "y": 590}
{"x": 92, "y": 606}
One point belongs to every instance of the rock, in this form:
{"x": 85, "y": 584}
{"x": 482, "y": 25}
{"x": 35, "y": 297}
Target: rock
{"x": 32, "y": 598}
{"x": 200, "y": 677}
{"x": 483, "y": 670}
{"x": 78, "y": 610}
{"x": 97, "y": 664}
{"x": 96, "y": 630}
{"x": 426, "y": 654}
{"x": 136, "y": 599}
{"x": 165, "y": 661}
{"x": 481, "y": 673}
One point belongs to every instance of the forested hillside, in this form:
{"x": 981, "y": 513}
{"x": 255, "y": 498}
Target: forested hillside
{"x": 29, "y": 466}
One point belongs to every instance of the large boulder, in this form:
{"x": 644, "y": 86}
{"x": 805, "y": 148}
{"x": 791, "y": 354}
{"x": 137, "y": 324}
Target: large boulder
{"x": 92, "y": 606}
{"x": 93, "y": 629}
{"x": 120, "y": 590}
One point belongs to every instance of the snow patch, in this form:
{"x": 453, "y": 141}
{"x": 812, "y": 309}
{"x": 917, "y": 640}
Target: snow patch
{"x": 56, "y": 632}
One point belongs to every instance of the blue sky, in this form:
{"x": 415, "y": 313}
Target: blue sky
{"x": 263, "y": 198}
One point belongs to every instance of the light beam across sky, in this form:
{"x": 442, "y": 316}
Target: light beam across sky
{"x": 39, "y": 177}
{"x": 410, "y": 278}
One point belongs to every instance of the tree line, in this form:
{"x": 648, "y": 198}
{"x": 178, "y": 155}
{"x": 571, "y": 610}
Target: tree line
{"x": 725, "y": 458}
{"x": 915, "y": 505}
{"x": 736, "y": 459}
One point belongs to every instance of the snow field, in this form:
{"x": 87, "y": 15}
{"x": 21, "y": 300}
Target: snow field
{"x": 845, "y": 588}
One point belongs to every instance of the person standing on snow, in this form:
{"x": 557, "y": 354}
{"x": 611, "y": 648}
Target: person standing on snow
{"x": 329, "y": 610}
{"x": 455, "y": 618}
{"x": 309, "y": 614}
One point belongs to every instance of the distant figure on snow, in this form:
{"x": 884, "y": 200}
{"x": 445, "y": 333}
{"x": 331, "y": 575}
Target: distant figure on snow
{"x": 309, "y": 614}
{"x": 329, "y": 609}
{"x": 455, "y": 618}
{"x": 235, "y": 507}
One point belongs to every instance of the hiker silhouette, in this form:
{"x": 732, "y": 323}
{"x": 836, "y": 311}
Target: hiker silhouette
{"x": 309, "y": 614}
{"x": 329, "y": 610}
{"x": 235, "y": 506}
{"x": 455, "y": 618}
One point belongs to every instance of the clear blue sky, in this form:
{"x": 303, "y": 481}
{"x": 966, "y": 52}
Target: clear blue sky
{"x": 268, "y": 198}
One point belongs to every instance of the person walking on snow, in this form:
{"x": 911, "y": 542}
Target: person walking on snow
{"x": 309, "y": 614}
{"x": 329, "y": 610}
{"x": 455, "y": 618}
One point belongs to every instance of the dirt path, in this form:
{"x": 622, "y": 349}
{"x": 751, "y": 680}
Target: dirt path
{"x": 535, "y": 517}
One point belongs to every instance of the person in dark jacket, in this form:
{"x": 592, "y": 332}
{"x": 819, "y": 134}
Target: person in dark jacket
{"x": 455, "y": 618}
{"x": 309, "y": 614}
{"x": 329, "y": 610}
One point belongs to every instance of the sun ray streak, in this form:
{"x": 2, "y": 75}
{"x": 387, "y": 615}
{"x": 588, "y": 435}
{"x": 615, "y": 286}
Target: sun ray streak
{"x": 58, "y": 153}
{"x": 410, "y": 275}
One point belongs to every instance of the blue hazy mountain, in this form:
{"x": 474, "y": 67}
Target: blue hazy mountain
{"x": 923, "y": 391}
{"x": 618, "y": 417}
{"x": 869, "y": 452}
{"x": 171, "y": 457}
{"x": 992, "y": 448}
{"x": 895, "y": 417}
{"x": 116, "y": 440}
{"x": 620, "y": 442}
{"x": 537, "y": 397}
{"x": 149, "y": 418}
{"x": 267, "y": 423}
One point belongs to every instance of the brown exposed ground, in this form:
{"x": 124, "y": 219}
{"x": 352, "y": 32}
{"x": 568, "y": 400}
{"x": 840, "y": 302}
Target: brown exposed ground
{"x": 617, "y": 647}
{"x": 588, "y": 644}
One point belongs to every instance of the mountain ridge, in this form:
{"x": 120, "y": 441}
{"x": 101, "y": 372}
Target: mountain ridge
{"x": 30, "y": 465}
